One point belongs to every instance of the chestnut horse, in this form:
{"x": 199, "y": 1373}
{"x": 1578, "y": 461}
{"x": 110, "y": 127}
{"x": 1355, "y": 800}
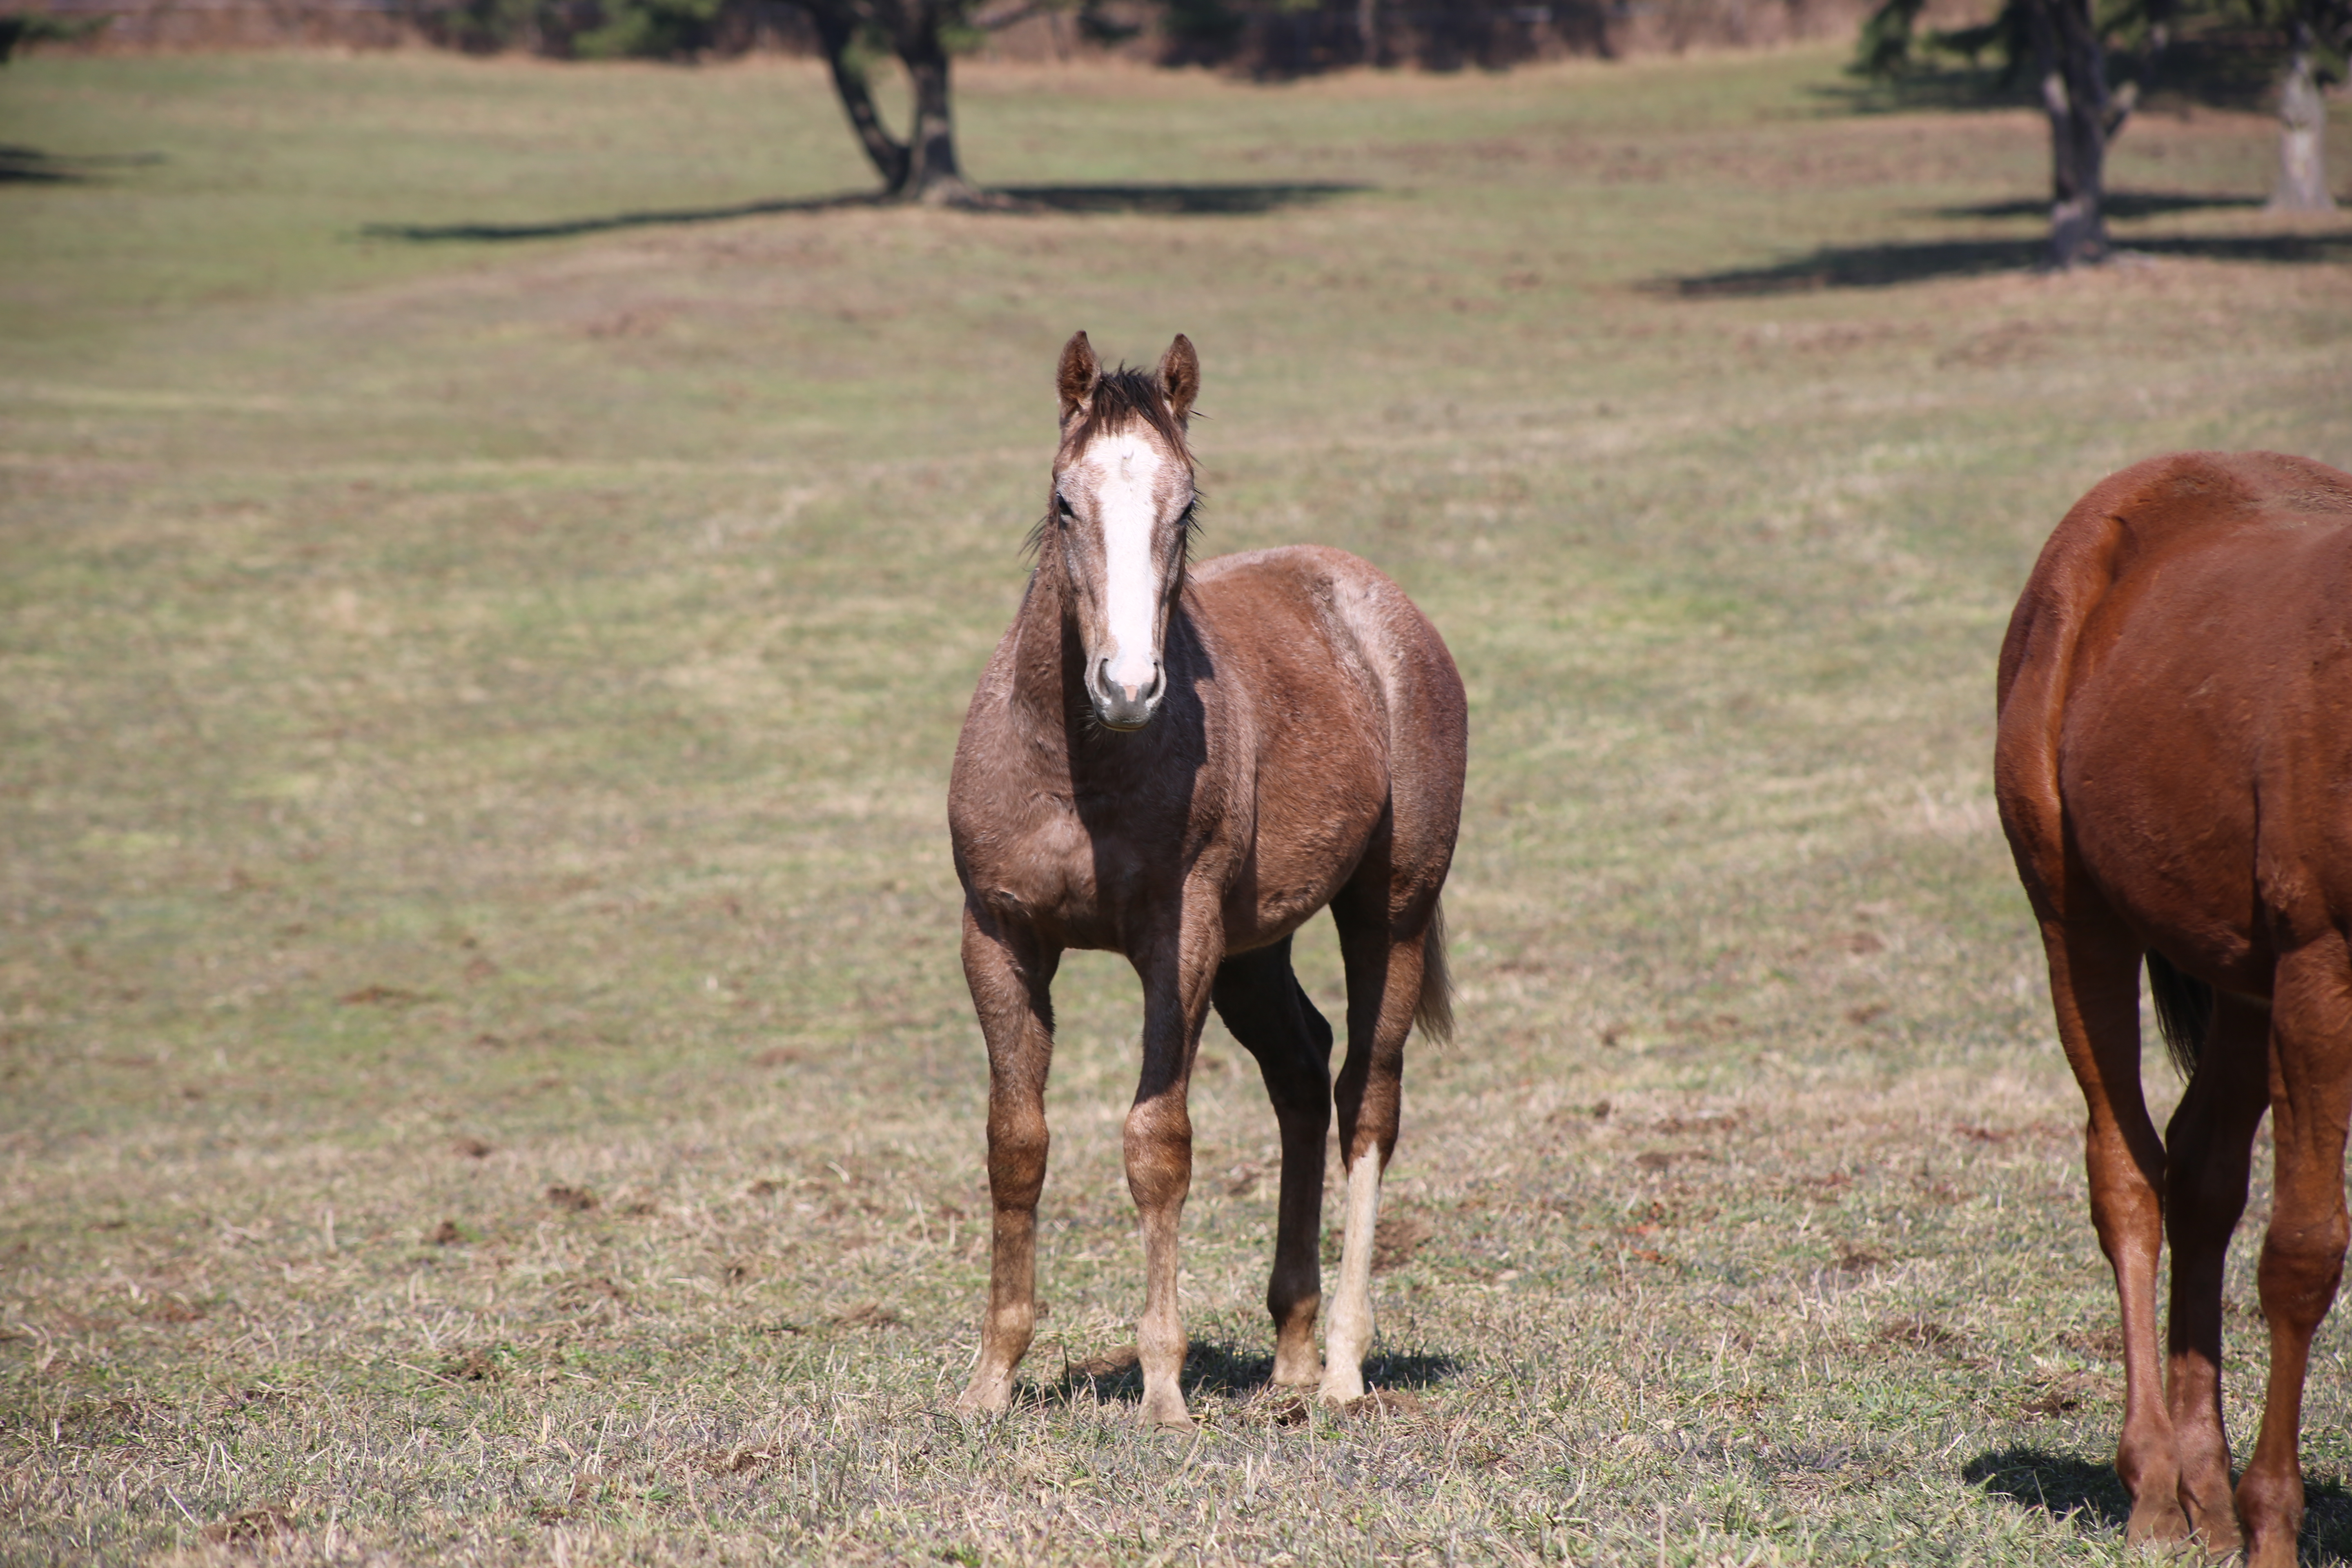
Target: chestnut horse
{"x": 2175, "y": 751}
{"x": 1182, "y": 765}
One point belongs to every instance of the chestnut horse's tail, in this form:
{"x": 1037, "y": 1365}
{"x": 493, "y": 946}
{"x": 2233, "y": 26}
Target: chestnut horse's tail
{"x": 1434, "y": 1012}
{"x": 2184, "y": 1008}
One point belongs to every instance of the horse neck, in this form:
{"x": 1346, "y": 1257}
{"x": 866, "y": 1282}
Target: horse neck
{"x": 1049, "y": 661}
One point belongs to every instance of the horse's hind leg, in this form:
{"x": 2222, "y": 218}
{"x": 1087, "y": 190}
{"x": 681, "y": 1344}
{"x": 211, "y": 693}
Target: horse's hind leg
{"x": 2207, "y": 1149}
{"x": 2095, "y": 991}
{"x": 1384, "y": 972}
{"x": 2303, "y": 1254}
{"x": 1262, "y": 1003}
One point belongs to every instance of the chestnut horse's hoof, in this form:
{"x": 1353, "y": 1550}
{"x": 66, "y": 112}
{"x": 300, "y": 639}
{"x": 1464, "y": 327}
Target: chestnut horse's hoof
{"x": 2156, "y": 1522}
{"x": 2216, "y": 1532}
{"x": 2272, "y": 1550}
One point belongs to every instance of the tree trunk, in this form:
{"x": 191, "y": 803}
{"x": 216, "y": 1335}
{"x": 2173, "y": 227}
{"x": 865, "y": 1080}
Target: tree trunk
{"x": 2303, "y": 132}
{"x": 1367, "y": 30}
{"x": 2073, "y": 69}
{"x": 836, "y": 30}
{"x": 935, "y": 178}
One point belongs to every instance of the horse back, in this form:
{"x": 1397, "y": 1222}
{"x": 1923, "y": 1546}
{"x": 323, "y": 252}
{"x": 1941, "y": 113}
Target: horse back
{"x": 1360, "y": 715}
{"x": 1321, "y": 627}
{"x": 2170, "y": 690}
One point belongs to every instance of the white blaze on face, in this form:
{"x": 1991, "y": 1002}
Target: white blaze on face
{"x": 1125, "y": 470}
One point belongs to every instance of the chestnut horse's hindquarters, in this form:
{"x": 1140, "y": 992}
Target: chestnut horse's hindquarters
{"x": 2179, "y": 656}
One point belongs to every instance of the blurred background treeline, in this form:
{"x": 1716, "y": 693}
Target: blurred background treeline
{"x": 1270, "y": 37}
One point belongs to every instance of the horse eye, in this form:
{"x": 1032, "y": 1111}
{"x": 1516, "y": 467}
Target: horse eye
{"x": 1061, "y": 506}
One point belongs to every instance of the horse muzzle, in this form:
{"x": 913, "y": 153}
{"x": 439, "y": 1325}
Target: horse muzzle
{"x": 1126, "y": 708}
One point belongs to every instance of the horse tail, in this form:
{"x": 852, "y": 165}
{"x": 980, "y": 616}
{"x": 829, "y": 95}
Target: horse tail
{"x": 1433, "y": 1013}
{"x": 2184, "y": 1009}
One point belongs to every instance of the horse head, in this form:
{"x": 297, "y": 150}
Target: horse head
{"x": 1121, "y": 517}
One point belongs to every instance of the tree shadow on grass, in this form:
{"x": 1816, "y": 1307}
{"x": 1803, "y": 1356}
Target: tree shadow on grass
{"x": 2065, "y": 1485}
{"x": 1884, "y": 265}
{"x": 31, "y": 166}
{"x": 1947, "y": 90}
{"x": 1219, "y": 1371}
{"x": 1190, "y": 200}
{"x": 651, "y": 218}
{"x": 1183, "y": 200}
{"x": 2119, "y": 204}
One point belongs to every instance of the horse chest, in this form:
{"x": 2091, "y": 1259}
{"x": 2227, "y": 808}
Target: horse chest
{"x": 1077, "y": 869}
{"x": 1048, "y": 869}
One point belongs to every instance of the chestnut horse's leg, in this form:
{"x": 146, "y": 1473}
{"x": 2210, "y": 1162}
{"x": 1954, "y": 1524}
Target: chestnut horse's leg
{"x": 1383, "y": 988}
{"x": 2303, "y": 1254}
{"x": 2207, "y": 1149}
{"x": 1262, "y": 1003}
{"x": 2095, "y": 991}
{"x": 1178, "y": 969}
{"x": 1010, "y": 973}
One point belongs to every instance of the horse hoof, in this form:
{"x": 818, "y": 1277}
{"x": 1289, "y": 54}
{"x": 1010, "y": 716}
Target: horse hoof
{"x": 2156, "y": 1522}
{"x": 1169, "y": 1414}
{"x": 1341, "y": 1387}
{"x": 979, "y": 1401}
{"x": 2273, "y": 1551}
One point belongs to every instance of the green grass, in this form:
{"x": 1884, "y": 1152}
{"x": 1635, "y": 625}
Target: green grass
{"x": 476, "y": 721}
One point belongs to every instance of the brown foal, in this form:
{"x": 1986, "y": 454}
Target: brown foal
{"x": 1182, "y": 765}
{"x": 2174, "y": 752}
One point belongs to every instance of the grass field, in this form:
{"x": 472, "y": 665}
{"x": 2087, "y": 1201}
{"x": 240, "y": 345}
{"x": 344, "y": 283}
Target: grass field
{"x": 485, "y": 1075}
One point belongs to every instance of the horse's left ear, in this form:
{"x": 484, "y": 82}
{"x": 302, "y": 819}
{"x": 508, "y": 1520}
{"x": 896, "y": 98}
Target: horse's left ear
{"x": 1180, "y": 377}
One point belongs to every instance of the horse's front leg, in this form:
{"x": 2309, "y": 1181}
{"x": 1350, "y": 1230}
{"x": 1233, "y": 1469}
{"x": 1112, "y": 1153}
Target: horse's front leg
{"x": 1011, "y": 973}
{"x": 1179, "y": 968}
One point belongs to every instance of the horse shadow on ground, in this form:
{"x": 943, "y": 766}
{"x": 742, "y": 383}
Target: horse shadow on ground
{"x": 1219, "y": 1371}
{"x": 1194, "y": 200}
{"x": 2061, "y": 1485}
{"x": 2069, "y": 1486}
{"x": 32, "y": 166}
{"x": 1884, "y": 265}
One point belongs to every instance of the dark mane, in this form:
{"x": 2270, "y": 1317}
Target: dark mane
{"x": 1127, "y": 397}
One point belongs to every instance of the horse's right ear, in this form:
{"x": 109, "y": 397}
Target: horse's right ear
{"x": 1079, "y": 372}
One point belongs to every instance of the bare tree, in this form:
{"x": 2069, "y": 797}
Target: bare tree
{"x": 2314, "y": 27}
{"x": 923, "y": 167}
{"x": 2063, "y": 43}
{"x": 2071, "y": 69}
